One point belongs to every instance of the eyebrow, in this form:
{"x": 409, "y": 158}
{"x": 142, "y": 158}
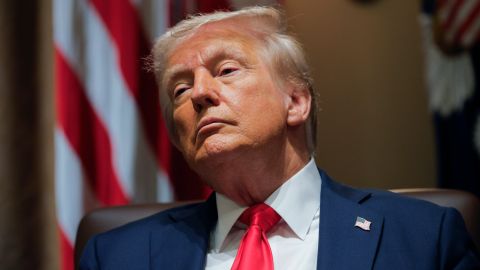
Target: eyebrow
{"x": 180, "y": 70}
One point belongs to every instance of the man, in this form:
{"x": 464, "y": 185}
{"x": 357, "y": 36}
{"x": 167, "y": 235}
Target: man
{"x": 239, "y": 104}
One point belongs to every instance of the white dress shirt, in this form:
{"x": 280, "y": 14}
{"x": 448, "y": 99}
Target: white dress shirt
{"x": 294, "y": 240}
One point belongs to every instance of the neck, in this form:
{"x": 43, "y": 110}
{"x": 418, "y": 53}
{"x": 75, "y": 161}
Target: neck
{"x": 249, "y": 178}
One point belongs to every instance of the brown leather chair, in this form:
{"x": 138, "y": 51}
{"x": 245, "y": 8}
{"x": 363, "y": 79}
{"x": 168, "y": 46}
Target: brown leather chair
{"x": 104, "y": 219}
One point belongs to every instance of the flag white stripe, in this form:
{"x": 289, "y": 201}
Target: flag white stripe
{"x": 68, "y": 27}
{"x": 165, "y": 190}
{"x": 71, "y": 193}
{"x": 154, "y": 16}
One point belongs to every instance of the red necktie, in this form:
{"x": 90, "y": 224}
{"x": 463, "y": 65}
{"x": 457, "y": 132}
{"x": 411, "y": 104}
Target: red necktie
{"x": 254, "y": 251}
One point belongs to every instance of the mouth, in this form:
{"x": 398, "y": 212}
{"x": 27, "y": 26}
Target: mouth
{"x": 209, "y": 124}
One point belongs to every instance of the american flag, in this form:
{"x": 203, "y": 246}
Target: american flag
{"x": 459, "y": 22}
{"x": 452, "y": 46}
{"x": 363, "y": 223}
{"x": 111, "y": 146}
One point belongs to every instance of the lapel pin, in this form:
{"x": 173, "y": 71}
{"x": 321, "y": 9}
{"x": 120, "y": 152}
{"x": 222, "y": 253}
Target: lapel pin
{"x": 363, "y": 224}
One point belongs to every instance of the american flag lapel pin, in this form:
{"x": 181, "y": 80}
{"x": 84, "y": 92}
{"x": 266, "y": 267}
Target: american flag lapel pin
{"x": 363, "y": 224}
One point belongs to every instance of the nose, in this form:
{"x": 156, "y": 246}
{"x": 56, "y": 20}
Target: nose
{"x": 205, "y": 91}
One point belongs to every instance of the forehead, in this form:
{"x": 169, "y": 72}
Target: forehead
{"x": 213, "y": 40}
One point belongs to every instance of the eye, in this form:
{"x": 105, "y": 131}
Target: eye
{"x": 179, "y": 90}
{"x": 226, "y": 70}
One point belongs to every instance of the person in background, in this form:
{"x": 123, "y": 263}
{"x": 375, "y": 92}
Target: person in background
{"x": 239, "y": 103}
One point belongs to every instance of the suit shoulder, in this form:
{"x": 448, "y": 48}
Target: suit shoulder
{"x": 384, "y": 202}
{"x": 136, "y": 234}
{"x": 144, "y": 225}
{"x": 128, "y": 245}
{"x": 426, "y": 225}
{"x": 393, "y": 203}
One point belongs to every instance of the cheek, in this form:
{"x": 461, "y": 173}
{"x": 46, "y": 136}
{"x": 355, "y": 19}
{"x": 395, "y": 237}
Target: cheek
{"x": 263, "y": 111}
{"x": 268, "y": 101}
{"x": 183, "y": 123}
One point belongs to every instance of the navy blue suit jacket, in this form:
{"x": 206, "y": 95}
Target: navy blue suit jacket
{"x": 405, "y": 234}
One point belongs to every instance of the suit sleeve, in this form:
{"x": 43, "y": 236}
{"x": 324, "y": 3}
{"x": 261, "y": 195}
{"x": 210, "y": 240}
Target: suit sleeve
{"x": 457, "y": 250}
{"x": 88, "y": 261}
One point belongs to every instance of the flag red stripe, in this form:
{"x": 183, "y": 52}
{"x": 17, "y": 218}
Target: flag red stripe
{"x": 86, "y": 134}
{"x": 452, "y": 14}
{"x": 124, "y": 26}
{"x": 207, "y": 6}
{"x": 177, "y": 10}
{"x": 66, "y": 249}
{"x": 473, "y": 15}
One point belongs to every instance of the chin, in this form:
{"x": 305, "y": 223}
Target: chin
{"x": 218, "y": 145}
{"x": 213, "y": 153}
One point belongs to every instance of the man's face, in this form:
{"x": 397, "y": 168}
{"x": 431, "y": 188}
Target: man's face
{"x": 224, "y": 98}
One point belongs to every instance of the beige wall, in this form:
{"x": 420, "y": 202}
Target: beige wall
{"x": 374, "y": 128}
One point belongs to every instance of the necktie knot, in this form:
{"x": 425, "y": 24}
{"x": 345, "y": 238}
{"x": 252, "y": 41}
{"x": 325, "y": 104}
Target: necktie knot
{"x": 260, "y": 215}
{"x": 254, "y": 251}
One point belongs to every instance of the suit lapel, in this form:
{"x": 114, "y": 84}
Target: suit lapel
{"x": 341, "y": 244}
{"x": 185, "y": 240}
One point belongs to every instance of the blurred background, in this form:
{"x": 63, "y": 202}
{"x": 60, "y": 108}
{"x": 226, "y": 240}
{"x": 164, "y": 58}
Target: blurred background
{"x": 81, "y": 127}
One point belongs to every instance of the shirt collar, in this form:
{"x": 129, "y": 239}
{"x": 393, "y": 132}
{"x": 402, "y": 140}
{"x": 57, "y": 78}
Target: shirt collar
{"x": 228, "y": 213}
{"x": 296, "y": 201}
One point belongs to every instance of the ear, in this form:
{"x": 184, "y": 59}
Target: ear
{"x": 298, "y": 107}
